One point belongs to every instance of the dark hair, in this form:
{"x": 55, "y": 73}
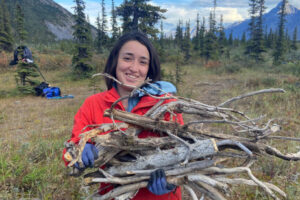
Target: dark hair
{"x": 112, "y": 61}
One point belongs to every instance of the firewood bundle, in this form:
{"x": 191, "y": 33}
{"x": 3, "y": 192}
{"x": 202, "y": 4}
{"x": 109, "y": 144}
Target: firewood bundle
{"x": 192, "y": 155}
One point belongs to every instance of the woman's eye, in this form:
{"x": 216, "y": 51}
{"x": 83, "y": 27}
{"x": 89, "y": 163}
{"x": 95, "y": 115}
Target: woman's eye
{"x": 144, "y": 62}
{"x": 127, "y": 58}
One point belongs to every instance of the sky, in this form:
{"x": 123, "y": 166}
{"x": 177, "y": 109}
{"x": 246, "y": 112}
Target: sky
{"x": 232, "y": 10}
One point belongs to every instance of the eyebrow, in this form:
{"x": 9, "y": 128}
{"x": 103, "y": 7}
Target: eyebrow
{"x": 131, "y": 54}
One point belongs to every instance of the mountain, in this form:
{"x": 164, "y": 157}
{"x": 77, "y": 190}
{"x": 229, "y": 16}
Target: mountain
{"x": 45, "y": 20}
{"x": 270, "y": 20}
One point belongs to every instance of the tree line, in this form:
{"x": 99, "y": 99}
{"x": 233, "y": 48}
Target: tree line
{"x": 208, "y": 41}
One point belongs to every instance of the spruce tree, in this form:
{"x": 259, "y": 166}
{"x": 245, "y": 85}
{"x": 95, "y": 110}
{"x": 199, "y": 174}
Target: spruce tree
{"x": 243, "y": 39}
{"x": 21, "y": 33}
{"x": 124, "y": 10}
{"x": 6, "y": 39}
{"x": 196, "y": 41}
{"x": 252, "y": 24}
{"x": 280, "y": 45}
{"x": 222, "y": 37}
{"x": 103, "y": 24}
{"x": 210, "y": 51}
{"x": 114, "y": 27}
{"x": 186, "y": 46}
{"x": 294, "y": 43}
{"x": 179, "y": 35}
{"x": 98, "y": 41}
{"x": 161, "y": 38}
{"x": 270, "y": 39}
{"x": 82, "y": 53}
{"x": 230, "y": 39}
{"x": 26, "y": 78}
{"x": 202, "y": 37}
{"x": 258, "y": 38}
{"x": 139, "y": 15}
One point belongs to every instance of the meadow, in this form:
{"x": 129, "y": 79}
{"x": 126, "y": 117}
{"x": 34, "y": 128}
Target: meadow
{"x": 33, "y": 129}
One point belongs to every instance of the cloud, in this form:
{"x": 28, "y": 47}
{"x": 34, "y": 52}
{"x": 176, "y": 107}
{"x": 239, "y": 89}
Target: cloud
{"x": 230, "y": 15}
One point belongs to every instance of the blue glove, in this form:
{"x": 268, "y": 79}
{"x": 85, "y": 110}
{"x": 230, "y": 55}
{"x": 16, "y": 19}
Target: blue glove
{"x": 158, "y": 183}
{"x": 89, "y": 154}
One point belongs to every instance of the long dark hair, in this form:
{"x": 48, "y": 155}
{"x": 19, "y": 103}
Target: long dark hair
{"x": 112, "y": 61}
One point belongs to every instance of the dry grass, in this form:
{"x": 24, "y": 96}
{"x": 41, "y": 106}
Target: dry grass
{"x": 33, "y": 130}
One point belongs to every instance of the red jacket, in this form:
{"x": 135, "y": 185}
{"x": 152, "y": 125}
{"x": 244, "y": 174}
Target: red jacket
{"x": 91, "y": 112}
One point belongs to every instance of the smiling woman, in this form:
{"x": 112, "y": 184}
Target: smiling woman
{"x": 132, "y": 60}
{"x": 133, "y": 66}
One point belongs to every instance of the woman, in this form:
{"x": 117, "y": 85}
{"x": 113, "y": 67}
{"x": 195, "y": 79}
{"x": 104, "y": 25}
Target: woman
{"x": 132, "y": 60}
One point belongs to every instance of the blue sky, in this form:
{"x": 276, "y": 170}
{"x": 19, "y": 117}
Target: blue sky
{"x": 232, "y": 10}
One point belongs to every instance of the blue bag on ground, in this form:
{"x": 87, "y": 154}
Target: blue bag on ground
{"x": 51, "y": 92}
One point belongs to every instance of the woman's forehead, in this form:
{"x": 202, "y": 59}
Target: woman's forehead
{"x": 135, "y": 48}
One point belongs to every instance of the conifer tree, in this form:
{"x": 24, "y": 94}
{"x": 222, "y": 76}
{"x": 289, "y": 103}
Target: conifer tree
{"x": 252, "y": 23}
{"x": 89, "y": 31}
{"x": 179, "y": 35}
{"x": 294, "y": 43}
{"x": 161, "y": 38}
{"x": 186, "y": 46}
{"x": 160, "y": 43}
{"x": 280, "y": 45}
{"x": 104, "y": 37}
{"x": 98, "y": 41}
{"x": 21, "y": 33}
{"x": 26, "y": 78}
{"x": 222, "y": 37}
{"x": 124, "y": 10}
{"x": 258, "y": 38}
{"x": 114, "y": 27}
{"x": 270, "y": 39}
{"x": 202, "y": 37}
{"x": 139, "y": 15}
{"x": 6, "y": 39}
{"x": 230, "y": 39}
{"x": 243, "y": 39}
{"x": 210, "y": 51}
{"x": 82, "y": 53}
{"x": 196, "y": 41}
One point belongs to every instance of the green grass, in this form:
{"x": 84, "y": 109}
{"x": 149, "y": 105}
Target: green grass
{"x": 34, "y": 129}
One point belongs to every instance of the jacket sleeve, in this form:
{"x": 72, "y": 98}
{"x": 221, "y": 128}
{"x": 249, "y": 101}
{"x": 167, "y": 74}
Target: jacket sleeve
{"x": 82, "y": 118}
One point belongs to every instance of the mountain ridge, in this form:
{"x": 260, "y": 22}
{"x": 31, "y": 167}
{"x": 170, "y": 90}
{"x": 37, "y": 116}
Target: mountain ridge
{"x": 270, "y": 21}
{"x": 45, "y": 20}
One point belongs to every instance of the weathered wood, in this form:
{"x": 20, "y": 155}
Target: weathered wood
{"x": 166, "y": 158}
{"x": 132, "y": 142}
{"x": 198, "y": 148}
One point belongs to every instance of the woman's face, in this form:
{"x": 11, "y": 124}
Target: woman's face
{"x": 133, "y": 64}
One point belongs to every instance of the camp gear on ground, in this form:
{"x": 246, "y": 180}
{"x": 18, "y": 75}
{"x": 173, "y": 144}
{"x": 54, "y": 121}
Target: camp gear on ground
{"x": 22, "y": 53}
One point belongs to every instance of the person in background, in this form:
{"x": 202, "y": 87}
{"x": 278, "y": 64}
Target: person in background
{"x": 132, "y": 60}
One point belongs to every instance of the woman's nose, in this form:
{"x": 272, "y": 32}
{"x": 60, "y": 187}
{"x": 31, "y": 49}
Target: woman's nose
{"x": 134, "y": 65}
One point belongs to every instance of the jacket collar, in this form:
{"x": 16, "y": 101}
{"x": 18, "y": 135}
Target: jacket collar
{"x": 112, "y": 95}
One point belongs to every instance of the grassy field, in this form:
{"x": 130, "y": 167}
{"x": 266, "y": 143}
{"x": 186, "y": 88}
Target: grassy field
{"x": 33, "y": 129}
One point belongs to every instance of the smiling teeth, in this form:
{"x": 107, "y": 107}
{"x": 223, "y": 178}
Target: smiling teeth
{"x": 131, "y": 76}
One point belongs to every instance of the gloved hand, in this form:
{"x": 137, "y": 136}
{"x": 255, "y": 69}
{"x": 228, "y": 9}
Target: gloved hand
{"x": 89, "y": 154}
{"x": 158, "y": 183}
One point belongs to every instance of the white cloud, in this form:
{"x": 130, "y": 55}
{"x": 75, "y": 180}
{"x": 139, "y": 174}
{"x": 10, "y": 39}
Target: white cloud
{"x": 174, "y": 14}
{"x": 232, "y": 11}
{"x": 230, "y": 15}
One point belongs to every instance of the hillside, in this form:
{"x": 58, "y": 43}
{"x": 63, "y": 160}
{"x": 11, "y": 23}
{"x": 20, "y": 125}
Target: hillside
{"x": 270, "y": 20}
{"x": 45, "y": 20}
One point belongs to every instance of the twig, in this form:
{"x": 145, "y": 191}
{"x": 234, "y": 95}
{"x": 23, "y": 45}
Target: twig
{"x": 271, "y": 90}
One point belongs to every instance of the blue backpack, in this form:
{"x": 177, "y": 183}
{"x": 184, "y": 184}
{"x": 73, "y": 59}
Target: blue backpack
{"x": 51, "y": 92}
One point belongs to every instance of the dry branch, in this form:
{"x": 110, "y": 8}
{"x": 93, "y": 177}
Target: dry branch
{"x": 188, "y": 154}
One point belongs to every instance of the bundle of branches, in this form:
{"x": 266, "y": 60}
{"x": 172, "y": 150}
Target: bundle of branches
{"x": 191, "y": 154}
